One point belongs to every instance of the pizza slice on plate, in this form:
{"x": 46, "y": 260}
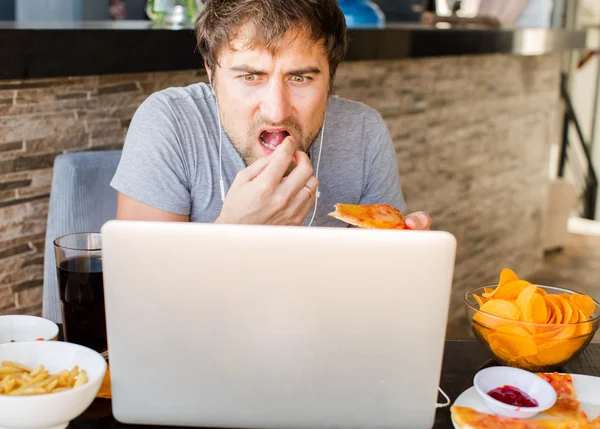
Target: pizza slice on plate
{"x": 468, "y": 418}
{"x": 565, "y": 414}
{"x": 567, "y": 405}
{"x": 380, "y": 216}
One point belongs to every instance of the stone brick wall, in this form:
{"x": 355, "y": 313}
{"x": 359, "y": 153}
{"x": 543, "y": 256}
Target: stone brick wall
{"x": 472, "y": 137}
{"x": 40, "y": 119}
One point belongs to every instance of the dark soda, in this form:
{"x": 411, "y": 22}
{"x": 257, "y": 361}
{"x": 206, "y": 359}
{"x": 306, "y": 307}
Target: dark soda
{"x": 81, "y": 291}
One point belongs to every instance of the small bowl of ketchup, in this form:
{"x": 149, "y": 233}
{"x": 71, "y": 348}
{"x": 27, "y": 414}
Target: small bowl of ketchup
{"x": 514, "y": 392}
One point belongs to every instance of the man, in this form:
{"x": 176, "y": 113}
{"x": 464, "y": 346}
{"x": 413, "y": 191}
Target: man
{"x": 265, "y": 143}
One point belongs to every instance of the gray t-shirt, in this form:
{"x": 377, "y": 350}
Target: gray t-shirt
{"x": 170, "y": 158}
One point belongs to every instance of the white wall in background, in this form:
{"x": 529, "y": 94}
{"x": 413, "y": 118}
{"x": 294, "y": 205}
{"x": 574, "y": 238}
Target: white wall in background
{"x": 584, "y": 91}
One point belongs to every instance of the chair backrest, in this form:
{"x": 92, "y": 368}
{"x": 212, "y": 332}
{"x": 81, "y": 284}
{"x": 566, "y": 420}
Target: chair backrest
{"x": 81, "y": 200}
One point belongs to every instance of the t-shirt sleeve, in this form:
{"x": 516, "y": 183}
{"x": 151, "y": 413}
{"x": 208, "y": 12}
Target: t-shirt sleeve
{"x": 382, "y": 184}
{"x": 152, "y": 168}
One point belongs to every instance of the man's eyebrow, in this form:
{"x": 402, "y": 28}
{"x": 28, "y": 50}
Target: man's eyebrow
{"x": 305, "y": 70}
{"x": 247, "y": 69}
{"x": 296, "y": 72}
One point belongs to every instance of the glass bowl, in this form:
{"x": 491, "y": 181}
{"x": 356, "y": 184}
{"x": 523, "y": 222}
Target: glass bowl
{"x": 536, "y": 347}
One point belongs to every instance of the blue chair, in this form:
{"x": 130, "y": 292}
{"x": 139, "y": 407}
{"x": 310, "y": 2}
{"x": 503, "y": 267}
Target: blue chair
{"x": 81, "y": 200}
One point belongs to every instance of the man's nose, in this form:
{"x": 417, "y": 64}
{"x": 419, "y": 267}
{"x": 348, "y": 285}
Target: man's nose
{"x": 276, "y": 105}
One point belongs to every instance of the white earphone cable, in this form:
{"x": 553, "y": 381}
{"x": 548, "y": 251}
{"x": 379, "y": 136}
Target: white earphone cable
{"x": 221, "y": 184}
{"x": 317, "y": 193}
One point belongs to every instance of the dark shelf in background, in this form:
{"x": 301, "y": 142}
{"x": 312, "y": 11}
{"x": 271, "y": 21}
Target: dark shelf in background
{"x": 93, "y": 48}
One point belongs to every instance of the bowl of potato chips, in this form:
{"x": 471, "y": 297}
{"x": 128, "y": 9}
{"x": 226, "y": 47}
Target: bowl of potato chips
{"x": 534, "y": 327}
{"x": 46, "y": 384}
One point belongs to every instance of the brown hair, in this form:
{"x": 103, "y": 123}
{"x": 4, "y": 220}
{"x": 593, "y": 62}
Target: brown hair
{"x": 219, "y": 22}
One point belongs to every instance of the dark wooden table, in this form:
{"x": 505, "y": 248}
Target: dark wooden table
{"x": 462, "y": 359}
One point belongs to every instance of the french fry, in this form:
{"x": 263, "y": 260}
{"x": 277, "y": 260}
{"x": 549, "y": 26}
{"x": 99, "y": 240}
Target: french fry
{"x": 51, "y": 385}
{"x": 36, "y": 380}
{"x": 72, "y": 375}
{"x": 28, "y": 391}
{"x": 9, "y": 385}
{"x": 38, "y": 370}
{"x": 9, "y": 370}
{"x": 47, "y": 381}
{"x": 16, "y": 365}
{"x": 81, "y": 379}
{"x": 20, "y": 380}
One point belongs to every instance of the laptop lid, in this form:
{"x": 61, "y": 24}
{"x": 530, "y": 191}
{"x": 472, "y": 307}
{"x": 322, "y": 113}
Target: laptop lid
{"x": 275, "y": 327}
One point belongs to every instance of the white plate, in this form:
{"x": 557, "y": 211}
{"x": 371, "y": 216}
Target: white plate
{"x": 586, "y": 387}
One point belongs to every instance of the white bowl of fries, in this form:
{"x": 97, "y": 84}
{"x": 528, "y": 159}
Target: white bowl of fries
{"x": 46, "y": 384}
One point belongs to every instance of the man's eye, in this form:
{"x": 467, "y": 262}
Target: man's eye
{"x": 249, "y": 77}
{"x": 299, "y": 79}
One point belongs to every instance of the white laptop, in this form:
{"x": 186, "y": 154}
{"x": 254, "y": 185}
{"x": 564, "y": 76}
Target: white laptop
{"x": 275, "y": 327}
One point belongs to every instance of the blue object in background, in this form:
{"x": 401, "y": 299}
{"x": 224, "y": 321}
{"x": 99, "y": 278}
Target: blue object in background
{"x": 362, "y": 13}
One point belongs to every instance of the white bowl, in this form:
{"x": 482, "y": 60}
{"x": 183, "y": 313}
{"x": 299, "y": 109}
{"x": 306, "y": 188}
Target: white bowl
{"x": 54, "y": 410}
{"x": 26, "y": 328}
{"x": 535, "y": 386}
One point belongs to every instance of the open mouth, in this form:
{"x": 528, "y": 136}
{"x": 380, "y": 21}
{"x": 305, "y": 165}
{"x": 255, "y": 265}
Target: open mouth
{"x": 272, "y": 139}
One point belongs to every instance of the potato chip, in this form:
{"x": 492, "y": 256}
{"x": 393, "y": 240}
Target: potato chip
{"x": 584, "y": 303}
{"x": 565, "y": 331}
{"x": 577, "y": 314}
{"x": 517, "y": 361}
{"x": 501, "y": 308}
{"x": 509, "y": 348}
{"x": 525, "y": 297}
{"x": 523, "y": 346}
{"x": 479, "y": 300}
{"x": 516, "y": 329}
{"x": 542, "y": 332}
{"x": 516, "y": 339}
{"x": 533, "y": 360}
{"x": 511, "y": 289}
{"x": 558, "y": 317}
{"x": 532, "y": 306}
{"x": 558, "y": 351}
{"x": 551, "y": 313}
{"x": 499, "y": 349}
{"x": 507, "y": 275}
{"x": 583, "y": 328}
{"x": 538, "y": 309}
{"x": 483, "y": 331}
{"x": 558, "y": 307}
{"x": 567, "y": 310}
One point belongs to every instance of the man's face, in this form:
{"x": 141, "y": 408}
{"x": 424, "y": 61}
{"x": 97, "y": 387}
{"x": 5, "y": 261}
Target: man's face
{"x": 264, "y": 98}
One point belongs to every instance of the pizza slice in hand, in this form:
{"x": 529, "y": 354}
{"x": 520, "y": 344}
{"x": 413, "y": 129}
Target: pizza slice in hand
{"x": 379, "y": 216}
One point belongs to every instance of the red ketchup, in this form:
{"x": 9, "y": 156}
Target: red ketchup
{"x": 513, "y": 396}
